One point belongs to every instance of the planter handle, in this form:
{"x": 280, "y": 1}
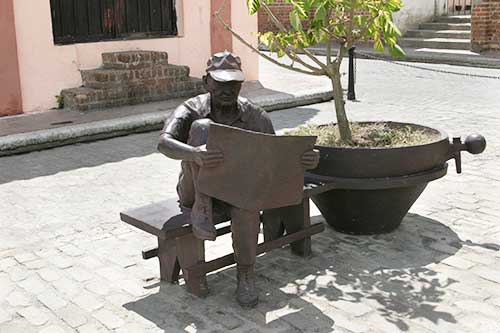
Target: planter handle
{"x": 474, "y": 144}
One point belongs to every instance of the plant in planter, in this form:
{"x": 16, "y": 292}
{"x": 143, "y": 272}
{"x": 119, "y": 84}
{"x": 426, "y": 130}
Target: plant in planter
{"x": 376, "y": 170}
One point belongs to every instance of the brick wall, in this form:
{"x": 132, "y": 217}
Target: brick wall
{"x": 281, "y": 10}
{"x": 486, "y": 26}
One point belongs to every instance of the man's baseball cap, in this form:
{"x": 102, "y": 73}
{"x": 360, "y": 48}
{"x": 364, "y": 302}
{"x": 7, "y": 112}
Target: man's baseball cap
{"x": 224, "y": 67}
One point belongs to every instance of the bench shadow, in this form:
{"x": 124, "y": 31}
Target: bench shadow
{"x": 356, "y": 275}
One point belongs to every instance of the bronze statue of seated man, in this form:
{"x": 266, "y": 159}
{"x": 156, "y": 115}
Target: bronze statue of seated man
{"x": 184, "y": 137}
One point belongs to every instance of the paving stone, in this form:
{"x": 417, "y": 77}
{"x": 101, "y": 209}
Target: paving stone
{"x": 79, "y": 274}
{"x": 489, "y": 274}
{"x": 112, "y": 274}
{"x": 17, "y": 325}
{"x": 228, "y": 320}
{"x": 7, "y": 263}
{"x": 478, "y": 323}
{"x": 480, "y": 307}
{"x": 4, "y": 316}
{"x": 48, "y": 274}
{"x": 33, "y": 285}
{"x": 354, "y": 308}
{"x": 458, "y": 262}
{"x": 134, "y": 288}
{"x": 90, "y": 262}
{"x": 87, "y": 301}
{"x": 72, "y": 315}
{"x": 108, "y": 319}
{"x": 34, "y": 315}
{"x": 98, "y": 287}
{"x": 18, "y": 273}
{"x": 25, "y": 257}
{"x": 61, "y": 261}
{"x": 6, "y": 286}
{"x": 35, "y": 264}
{"x": 53, "y": 329}
{"x": 66, "y": 286}
{"x": 71, "y": 250}
{"x": 51, "y": 300}
{"x": 18, "y": 298}
{"x": 92, "y": 328}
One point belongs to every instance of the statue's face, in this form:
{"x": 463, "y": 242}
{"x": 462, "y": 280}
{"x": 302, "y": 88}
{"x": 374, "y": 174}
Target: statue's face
{"x": 223, "y": 93}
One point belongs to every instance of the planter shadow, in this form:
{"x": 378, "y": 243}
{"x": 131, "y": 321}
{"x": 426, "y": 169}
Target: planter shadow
{"x": 386, "y": 275}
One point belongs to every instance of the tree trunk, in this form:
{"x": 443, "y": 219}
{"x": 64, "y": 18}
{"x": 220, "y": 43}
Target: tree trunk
{"x": 342, "y": 121}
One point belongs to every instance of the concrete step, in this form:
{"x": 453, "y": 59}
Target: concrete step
{"x": 133, "y": 59}
{"x": 102, "y": 78}
{"x": 453, "y": 19}
{"x": 85, "y": 99}
{"x": 445, "y": 26}
{"x": 461, "y": 34}
{"x": 436, "y": 43}
{"x": 443, "y": 52}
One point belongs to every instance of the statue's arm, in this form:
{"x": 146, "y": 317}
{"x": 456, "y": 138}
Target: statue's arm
{"x": 175, "y": 149}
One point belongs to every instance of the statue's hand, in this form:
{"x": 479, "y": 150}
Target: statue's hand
{"x": 310, "y": 159}
{"x": 207, "y": 158}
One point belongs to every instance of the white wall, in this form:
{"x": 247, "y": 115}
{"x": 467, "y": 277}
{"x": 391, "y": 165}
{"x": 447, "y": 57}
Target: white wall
{"x": 415, "y": 12}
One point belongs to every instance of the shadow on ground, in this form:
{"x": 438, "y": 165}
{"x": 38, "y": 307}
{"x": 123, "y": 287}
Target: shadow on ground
{"x": 291, "y": 118}
{"x": 383, "y": 274}
{"x": 82, "y": 155}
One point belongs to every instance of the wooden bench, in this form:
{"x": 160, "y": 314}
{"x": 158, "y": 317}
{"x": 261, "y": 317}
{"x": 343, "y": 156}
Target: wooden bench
{"x": 179, "y": 249}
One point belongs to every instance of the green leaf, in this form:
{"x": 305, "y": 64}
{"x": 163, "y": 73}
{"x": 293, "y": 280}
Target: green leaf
{"x": 295, "y": 20}
{"x": 253, "y": 6}
{"x": 299, "y": 7}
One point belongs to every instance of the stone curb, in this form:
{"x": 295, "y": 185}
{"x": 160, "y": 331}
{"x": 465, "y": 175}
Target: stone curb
{"x": 468, "y": 61}
{"x": 50, "y": 138}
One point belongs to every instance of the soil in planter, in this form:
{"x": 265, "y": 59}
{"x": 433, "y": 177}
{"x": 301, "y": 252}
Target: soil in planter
{"x": 369, "y": 135}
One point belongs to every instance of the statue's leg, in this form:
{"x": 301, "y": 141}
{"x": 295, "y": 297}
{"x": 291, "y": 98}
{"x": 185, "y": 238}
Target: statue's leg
{"x": 192, "y": 201}
{"x": 198, "y": 135}
{"x": 245, "y": 226}
{"x": 272, "y": 224}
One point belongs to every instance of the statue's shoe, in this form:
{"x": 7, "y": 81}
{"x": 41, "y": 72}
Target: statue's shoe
{"x": 246, "y": 292}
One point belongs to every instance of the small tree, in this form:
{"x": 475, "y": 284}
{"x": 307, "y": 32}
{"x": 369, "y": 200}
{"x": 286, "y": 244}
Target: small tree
{"x": 340, "y": 22}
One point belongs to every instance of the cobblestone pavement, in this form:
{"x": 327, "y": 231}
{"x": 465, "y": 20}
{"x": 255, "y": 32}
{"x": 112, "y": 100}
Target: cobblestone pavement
{"x": 67, "y": 262}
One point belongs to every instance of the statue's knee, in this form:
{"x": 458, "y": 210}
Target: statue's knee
{"x": 198, "y": 133}
{"x": 201, "y": 125}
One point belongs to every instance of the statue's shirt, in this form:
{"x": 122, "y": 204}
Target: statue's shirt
{"x": 250, "y": 117}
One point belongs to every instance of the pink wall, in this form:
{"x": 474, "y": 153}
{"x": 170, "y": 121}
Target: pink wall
{"x": 10, "y": 88}
{"x": 45, "y": 69}
{"x": 247, "y": 27}
{"x": 221, "y": 39}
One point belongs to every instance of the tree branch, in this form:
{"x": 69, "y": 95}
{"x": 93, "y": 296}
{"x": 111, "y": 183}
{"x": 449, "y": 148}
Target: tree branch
{"x": 265, "y": 56}
{"x": 280, "y": 26}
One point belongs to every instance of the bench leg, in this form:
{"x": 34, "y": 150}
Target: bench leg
{"x": 295, "y": 219}
{"x": 191, "y": 251}
{"x": 291, "y": 219}
{"x": 169, "y": 263}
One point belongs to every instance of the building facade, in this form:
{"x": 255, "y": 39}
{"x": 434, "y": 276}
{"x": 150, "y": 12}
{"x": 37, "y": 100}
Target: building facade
{"x": 47, "y": 43}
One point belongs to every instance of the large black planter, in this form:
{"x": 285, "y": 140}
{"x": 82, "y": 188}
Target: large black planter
{"x": 374, "y": 188}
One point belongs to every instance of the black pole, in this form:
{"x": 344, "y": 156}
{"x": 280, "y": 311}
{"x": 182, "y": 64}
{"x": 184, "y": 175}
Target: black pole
{"x": 351, "y": 94}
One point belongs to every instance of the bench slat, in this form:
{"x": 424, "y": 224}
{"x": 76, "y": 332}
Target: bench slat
{"x": 165, "y": 220}
{"x": 158, "y": 218}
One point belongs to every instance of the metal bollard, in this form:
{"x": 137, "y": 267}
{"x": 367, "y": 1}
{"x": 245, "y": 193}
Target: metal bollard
{"x": 351, "y": 94}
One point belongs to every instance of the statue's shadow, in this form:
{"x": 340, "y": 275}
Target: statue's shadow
{"x": 388, "y": 274}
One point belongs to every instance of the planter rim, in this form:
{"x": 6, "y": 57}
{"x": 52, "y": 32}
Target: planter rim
{"x": 442, "y": 136}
